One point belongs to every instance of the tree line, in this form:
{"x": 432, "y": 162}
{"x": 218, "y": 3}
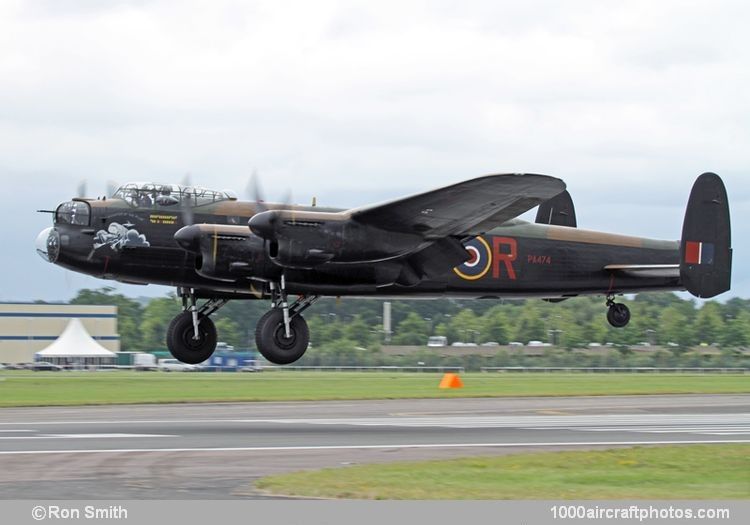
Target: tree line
{"x": 340, "y": 326}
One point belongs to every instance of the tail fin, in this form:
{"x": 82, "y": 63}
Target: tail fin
{"x": 705, "y": 250}
{"x": 558, "y": 211}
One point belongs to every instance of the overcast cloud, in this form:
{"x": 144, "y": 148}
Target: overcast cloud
{"x": 355, "y": 102}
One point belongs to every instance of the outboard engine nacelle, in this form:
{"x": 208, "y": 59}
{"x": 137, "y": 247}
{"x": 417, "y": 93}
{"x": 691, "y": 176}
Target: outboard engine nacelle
{"x": 306, "y": 240}
{"x": 298, "y": 239}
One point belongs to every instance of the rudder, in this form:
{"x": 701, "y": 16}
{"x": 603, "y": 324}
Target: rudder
{"x": 705, "y": 249}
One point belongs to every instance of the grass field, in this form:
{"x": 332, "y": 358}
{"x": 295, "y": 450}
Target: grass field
{"x": 674, "y": 472}
{"x": 23, "y": 388}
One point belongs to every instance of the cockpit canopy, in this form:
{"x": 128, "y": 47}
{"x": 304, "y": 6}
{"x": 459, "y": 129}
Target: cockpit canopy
{"x": 150, "y": 195}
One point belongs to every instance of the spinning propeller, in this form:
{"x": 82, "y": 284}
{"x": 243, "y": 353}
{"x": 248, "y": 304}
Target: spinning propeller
{"x": 186, "y": 205}
{"x": 265, "y": 221}
{"x": 110, "y": 189}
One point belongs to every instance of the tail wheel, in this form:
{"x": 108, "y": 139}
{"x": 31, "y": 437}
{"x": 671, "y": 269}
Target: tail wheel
{"x": 271, "y": 340}
{"x": 618, "y": 315}
{"x": 181, "y": 339}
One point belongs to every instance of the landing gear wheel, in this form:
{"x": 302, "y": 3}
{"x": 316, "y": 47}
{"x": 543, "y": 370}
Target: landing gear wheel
{"x": 618, "y": 315}
{"x": 271, "y": 340}
{"x": 182, "y": 344}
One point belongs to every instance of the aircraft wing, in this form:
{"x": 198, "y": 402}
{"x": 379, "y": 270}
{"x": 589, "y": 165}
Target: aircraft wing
{"x": 467, "y": 208}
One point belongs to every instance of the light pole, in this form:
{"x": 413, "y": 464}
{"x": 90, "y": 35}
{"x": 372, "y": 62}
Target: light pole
{"x": 387, "y": 330}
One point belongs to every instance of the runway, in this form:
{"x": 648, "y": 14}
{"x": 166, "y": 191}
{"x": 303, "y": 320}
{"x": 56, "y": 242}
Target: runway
{"x": 217, "y": 450}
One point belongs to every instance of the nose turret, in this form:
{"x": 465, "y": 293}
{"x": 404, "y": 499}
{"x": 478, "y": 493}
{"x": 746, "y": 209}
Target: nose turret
{"x": 48, "y": 244}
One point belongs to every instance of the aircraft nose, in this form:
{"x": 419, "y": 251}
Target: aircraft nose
{"x": 48, "y": 244}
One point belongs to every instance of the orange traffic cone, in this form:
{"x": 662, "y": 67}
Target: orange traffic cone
{"x": 451, "y": 381}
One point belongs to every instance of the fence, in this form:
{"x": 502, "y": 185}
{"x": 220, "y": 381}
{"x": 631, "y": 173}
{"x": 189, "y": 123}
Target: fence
{"x": 365, "y": 368}
{"x": 459, "y": 369}
{"x": 522, "y": 369}
{"x": 615, "y": 369}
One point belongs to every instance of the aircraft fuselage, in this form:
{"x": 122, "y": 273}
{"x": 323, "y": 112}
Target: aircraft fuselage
{"x": 517, "y": 259}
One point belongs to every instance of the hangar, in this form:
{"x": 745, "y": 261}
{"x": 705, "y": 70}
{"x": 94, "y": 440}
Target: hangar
{"x": 26, "y": 329}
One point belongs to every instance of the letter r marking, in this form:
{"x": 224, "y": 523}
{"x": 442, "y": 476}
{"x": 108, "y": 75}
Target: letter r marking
{"x": 507, "y": 258}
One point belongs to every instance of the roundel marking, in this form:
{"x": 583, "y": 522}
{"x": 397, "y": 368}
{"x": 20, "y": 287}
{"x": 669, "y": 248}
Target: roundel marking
{"x": 479, "y": 263}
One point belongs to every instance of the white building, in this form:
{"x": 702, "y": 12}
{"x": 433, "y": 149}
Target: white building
{"x": 26, "y": 329}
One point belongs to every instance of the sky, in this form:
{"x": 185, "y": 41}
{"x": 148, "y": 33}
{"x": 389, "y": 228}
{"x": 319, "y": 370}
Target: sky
{"x": 358, "y": 102}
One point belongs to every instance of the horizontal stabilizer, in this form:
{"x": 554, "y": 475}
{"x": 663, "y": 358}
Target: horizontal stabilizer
{"x": 646, "y": 270}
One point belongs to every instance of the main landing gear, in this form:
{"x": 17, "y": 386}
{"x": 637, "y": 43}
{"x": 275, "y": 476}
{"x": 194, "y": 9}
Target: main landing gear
{"x": 191, "y": 336}
{"x": 281, "y": 335}
{"x": 618, "y": 314}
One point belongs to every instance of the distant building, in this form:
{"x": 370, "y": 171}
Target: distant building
{"x": 26, "y": 329}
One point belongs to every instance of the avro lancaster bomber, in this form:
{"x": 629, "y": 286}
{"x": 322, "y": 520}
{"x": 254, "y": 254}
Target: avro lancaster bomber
{"x": 463, "y": 240}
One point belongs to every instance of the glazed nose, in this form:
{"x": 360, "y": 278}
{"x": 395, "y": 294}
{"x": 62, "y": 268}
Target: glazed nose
{"x": 48, "y": 244}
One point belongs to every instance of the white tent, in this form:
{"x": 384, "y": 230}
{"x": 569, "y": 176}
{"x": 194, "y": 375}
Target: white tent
{"x": 76, "y": 346}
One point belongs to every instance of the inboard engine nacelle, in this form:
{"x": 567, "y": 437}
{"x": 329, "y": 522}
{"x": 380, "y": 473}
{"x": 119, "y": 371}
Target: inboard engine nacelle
{"x": 225, "y": 252}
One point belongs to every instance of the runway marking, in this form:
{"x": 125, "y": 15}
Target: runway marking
{"x": 376, "y": 447}
{"x": 112, "y": 435}
{"x": 86, "y": 436}
{"x": 719, "y": 430}
{"x": 525, "y": 422}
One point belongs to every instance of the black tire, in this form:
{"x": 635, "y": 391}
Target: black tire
{"x": 618, "y": 315}
{"x": 272, "y": 342}
{"x": 180, "y": 340}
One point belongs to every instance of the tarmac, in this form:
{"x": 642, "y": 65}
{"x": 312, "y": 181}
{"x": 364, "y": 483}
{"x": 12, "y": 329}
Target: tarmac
{"x": 217, "y": 451}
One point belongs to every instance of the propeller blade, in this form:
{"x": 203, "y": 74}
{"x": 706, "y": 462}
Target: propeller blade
{"x": 111, "y": 188}
{"x": 187, "y": 201}
{"x": 81, "y": 194}
{"x": 215, "y": 247}
{"x": 286, "y": 204}
{"x": 187, "y": 215}
{"x": 264, "y": 222}
{"x": 257, "y": 293}
{"x": 254, "y": 192}
{"x": 286, "y": 200}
